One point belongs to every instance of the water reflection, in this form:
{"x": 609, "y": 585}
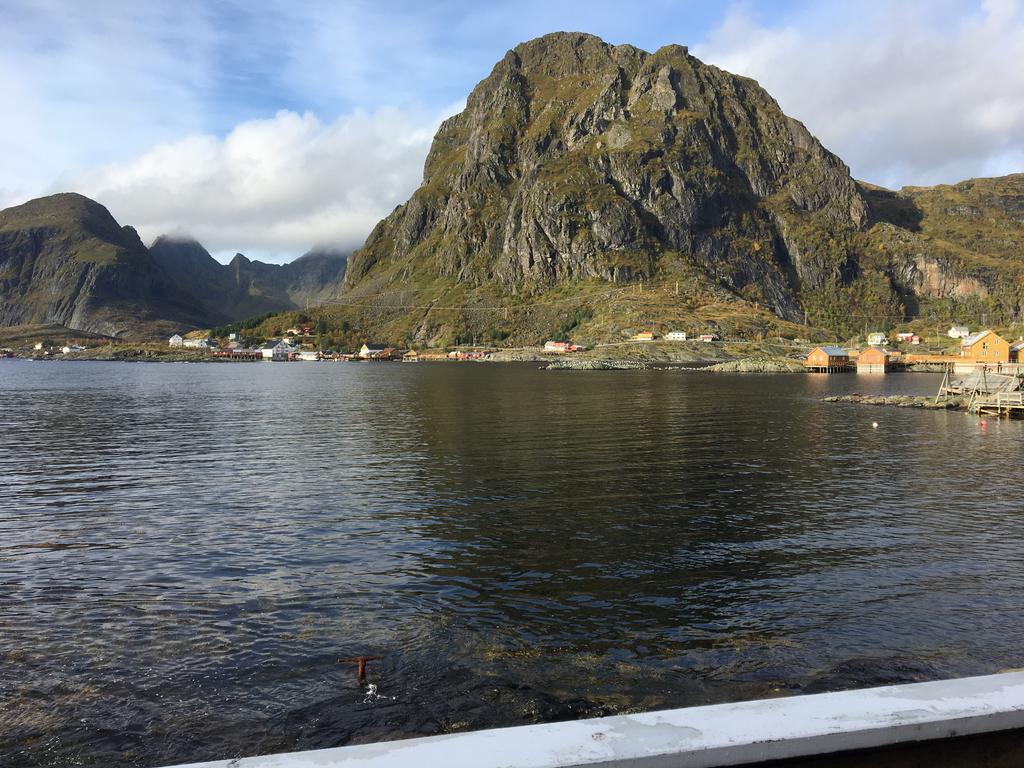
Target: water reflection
{"x": 187, "y": 550}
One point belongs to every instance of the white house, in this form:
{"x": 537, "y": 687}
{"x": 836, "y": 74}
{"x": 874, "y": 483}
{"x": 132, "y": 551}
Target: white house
{"x": 68, "y": 349}
{"x": 276, "y": 350}
{"x": 176, "y": 340}
{"x": 559, "y": 347}
{"x": 197, "y": 343}
{"x": 372, "y": 350}
{"x": 676, "y": 336}
{"x": 959, "y": 332}
{"x": 877, "y": 339}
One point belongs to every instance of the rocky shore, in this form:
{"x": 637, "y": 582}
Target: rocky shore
{"x": 901, "y": 401}
{"x": 144, "y": 353}
{"x": 758, "y": 365}
{"x": 595, "y": 365}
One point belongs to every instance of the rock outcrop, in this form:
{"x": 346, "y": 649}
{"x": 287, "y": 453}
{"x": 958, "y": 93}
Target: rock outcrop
{"x": 960, "y": 242}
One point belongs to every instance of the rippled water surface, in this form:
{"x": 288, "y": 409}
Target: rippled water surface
{"x": 187, "y": 550}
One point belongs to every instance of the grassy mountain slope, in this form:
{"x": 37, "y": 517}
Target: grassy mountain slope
{"x": 578, "y": 166}
{"x": 64, "y": 260}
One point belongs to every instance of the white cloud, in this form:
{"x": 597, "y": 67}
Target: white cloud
{"x": 910, "y": 93}
{"x": 95, "y": 80}
{"x": 279, "y": 185}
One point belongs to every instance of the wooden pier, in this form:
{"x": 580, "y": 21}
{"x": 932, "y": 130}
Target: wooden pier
{"x": 846, "y": 368}
{"x": 990, "y": 394}
{"x": 1010, "y": 404}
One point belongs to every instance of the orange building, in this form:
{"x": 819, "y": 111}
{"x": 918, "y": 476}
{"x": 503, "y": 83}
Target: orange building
{"x": 985, "y": 347}
{"x": 827, "y": 359}
{"x": 874, "y": 360}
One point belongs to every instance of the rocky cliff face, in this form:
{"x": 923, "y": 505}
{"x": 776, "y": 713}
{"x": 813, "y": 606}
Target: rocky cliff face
{"x": 245, "y": 288}
{"x": 65, "y": 260}
{"x": 963, "y": 242}
{"x": 576, "y": 159}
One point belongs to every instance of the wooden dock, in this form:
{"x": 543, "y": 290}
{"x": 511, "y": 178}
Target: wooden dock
{"x": 990, "y": 394}
{"x": 843, "y": 368}
{"x": 1009, "y": 404}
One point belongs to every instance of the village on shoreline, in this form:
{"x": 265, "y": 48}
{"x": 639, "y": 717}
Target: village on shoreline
{"x": 906, "y": 351}
{"x": 984, "y": 349}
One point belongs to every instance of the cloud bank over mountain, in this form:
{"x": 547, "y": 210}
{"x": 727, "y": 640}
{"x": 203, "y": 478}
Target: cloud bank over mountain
{"x": 274, "y": 186}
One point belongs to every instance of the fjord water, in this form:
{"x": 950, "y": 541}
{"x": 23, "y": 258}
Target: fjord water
{"x": 187, "y": 550}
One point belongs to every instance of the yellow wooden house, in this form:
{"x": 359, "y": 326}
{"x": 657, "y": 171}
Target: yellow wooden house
{"x": 985, "y": 347}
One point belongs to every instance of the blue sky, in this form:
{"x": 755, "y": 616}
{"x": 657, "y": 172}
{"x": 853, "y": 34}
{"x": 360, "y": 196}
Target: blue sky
{"x": 269, "y": 126}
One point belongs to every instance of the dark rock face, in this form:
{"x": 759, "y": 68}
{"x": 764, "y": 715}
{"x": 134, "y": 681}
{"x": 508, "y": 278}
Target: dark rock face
{"x": 576, "y": 159}
{"x": 65, "y": 260}
{"x": 244, "y": 288}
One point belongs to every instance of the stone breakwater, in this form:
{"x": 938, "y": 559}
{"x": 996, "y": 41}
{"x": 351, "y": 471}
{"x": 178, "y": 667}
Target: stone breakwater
{"x": 901, "y": 401}
{"x": 758, "y": 365}
{"x": 595, "y": 365}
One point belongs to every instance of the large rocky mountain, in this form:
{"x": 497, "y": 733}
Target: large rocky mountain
{"x": 576, "y": 159}
{"x": 576, "y": 163}
{"x": 65, "y": 261}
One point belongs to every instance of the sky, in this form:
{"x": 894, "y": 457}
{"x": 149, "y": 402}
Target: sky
{"x": 270, "y": 127}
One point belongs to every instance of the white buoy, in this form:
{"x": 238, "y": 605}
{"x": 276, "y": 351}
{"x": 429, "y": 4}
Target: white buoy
{"x": 874, "y": 425}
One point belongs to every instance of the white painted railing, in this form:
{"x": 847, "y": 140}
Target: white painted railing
{"x": 744, "y": 733}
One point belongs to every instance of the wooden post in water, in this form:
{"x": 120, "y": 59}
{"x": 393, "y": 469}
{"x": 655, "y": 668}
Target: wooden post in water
{"x": 360, "y": 661}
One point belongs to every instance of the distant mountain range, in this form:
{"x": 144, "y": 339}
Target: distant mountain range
{"x": 577, "y": 172}
{"x": 244, "y": 288}
{"x": 65, "y": 261}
